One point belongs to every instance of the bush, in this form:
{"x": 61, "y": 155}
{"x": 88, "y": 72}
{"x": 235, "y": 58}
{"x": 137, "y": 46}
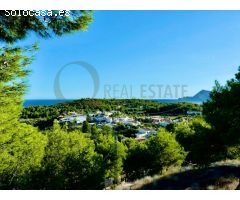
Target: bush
{"x": 200, "y": 141}
{"x": 137, "y": 163}
{"x": 70, "y": 162}
{"x": 112, "y": 151}
{"x": 153, "y": 156}
{"x": 222, "y": 111}
{"x": 21, "y": 152}
{"x": 164, "y": 151}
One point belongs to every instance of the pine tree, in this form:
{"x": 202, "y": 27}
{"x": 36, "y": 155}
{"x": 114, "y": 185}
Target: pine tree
{"x": 14, "y": 28}
{"x": 86, "y": 127}
{"x": 21, "y": 146}
{"x": 70, "y": 161}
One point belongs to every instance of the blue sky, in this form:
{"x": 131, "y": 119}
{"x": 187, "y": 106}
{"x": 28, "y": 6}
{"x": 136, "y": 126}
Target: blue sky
{"x": 132, "y": 48}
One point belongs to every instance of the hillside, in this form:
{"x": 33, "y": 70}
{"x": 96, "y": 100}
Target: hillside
{"x": 222, "y": 175}
{"x": 201, "y": 96}
{"x": 127, "y": 106}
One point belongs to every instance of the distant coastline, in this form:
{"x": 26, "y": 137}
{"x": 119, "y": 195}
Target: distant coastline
{"x": 198, "y": 98}
{"x": 44, "y": 102}
{"x": 50, "y": 102}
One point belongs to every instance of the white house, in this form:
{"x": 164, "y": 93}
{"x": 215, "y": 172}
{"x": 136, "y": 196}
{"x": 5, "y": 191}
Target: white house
{"x": 144, "y": 133}
{"x": 78, "y": 118}
{"x": 193, "y": 112}
{"x": 101, "y": 118}
{"x": 126, "y": 121}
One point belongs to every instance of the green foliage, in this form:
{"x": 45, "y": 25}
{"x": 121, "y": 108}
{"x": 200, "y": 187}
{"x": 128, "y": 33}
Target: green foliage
{"x": 21, "y": 146}
{"x": 13, "y": 70}
{"x": 164, "y": 151}
{"x": 61, "y": 158}
{"x": 199, "y": 141}
{"x": 185, "y": 132}
{"x": 86, "y": 127}
{"x": 112, "y": 151}
{"x": 170, "y": 127}
{"x": 94, "y": 132}
{"x": 137, "y": 162}
{"x": 233, "y": 152}
{"x": 222, "y": 111}
{"x": 13, "y": 28}
{"x": 21, "y": 152}
{"x": 126, "y": 130}
{"x": 35, "y": 112}
{"x": 156, "y": 154}
{"x": 207, "y": 144}
{"x": 37, "y": 115}
{"x": 70, "y": 162}
{"x": 219, "y": 140}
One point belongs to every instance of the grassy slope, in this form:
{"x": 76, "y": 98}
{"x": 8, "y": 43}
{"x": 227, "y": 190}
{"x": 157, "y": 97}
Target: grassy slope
{"x": 222, "y": 175}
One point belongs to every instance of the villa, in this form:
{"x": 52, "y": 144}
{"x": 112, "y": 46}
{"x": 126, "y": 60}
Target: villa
{"x": 74, "y": 117}
{"x": 126, "y": 121}
{"x": 144, "y": 133}
{"x": 101, "y": 118}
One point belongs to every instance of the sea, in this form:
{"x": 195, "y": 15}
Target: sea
{"x": 44, "y": 102}
{"x": 50, "y": 102}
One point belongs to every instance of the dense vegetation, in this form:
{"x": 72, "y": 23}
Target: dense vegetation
{"x": 128, "y": 106}
{"x": 43, "y": 116}
{"x": 153, "y": 155}
{"x": 91, "y": 157}
{"x": 200, "y": 141}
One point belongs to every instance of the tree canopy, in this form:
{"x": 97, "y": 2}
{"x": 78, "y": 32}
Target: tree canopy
{"x": 222, "y": 111}
{"x": 53, "y": 23}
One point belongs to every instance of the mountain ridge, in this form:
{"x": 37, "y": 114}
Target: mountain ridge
{"x": 202, "y": 96}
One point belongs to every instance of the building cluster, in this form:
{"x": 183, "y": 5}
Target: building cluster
{"x": 164, "y": 121}
{"x": 108, "y": 118}
{"x": 72, "y": 117}
{"x": 98, "y": 118}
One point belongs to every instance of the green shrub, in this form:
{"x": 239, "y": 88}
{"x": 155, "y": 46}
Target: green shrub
{"x": 153, "y": 156}
{"x": 70, "y": 162}
{"x": 164, "y": 151}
